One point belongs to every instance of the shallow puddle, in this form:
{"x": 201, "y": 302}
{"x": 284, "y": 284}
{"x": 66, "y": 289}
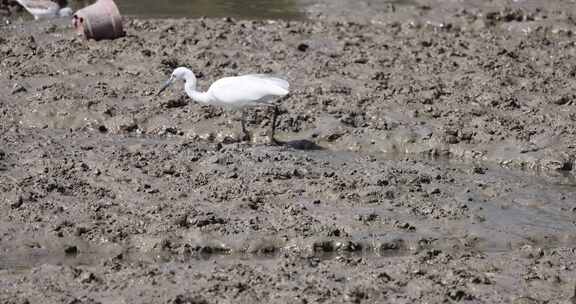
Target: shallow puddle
{"x": 26, "y": 256}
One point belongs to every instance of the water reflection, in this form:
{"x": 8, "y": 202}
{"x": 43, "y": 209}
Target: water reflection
{"x": 241, "y": 9}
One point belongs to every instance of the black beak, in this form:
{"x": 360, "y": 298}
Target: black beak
{"x": 165, "y": 86}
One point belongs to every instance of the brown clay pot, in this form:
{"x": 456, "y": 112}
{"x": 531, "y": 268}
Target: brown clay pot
{"x": 101, "y": 20}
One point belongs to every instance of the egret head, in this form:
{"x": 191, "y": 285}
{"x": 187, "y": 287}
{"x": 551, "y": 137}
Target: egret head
{"x": 180, "y": 73}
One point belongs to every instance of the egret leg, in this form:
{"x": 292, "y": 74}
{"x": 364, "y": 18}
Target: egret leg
{"x": 245, "y": 134}
{"x": 273, "y": 125}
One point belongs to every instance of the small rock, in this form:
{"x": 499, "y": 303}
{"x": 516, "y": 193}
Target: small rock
{"x": 392, "y": 245}
{"x": 405, "y": 226}
{"x": 458, "y": 295}
{"x": 323, "y": 246}
{"x": 479, "y": 24}
{"x": 333, "y": 136}
{"x": 80, "y": 231}
{"x": 429, "y": 96}
{"x": 530, "y": 252}
{"x": 366, "y": 218}
{"x": 87, "y": 277}
{"x": 71, "y": 250}
{"x": 384, "y": 277}
{"x": 205, "y": 220}
{"x": 17, "y": 88}
{"x": 303, "y": 47}
{"x": 451, "y": 139}
{"x": 169, "y": 169}
{"x": 528, "y": 147}
{"x": 478, "y": 170}
{"x": 562, "y": 100}
{"x": 18, "y": 203}
{"x": 209, "y": 136}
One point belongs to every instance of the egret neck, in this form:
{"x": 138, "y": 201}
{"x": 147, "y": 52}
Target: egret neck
{"x": 190, "y": 88}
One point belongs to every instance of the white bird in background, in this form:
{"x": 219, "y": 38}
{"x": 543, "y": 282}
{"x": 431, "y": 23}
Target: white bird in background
{"x": 235, "y": 92}
{"x": 44, "y": 9}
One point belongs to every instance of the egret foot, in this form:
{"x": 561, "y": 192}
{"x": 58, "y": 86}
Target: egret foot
{"x": 246, "y": 136}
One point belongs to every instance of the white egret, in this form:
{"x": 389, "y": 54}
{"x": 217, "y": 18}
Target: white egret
{"x": 44, "y": 9}
{"x": 235, "y": 92}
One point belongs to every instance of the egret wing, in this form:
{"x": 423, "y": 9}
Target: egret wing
{"x": 248, "y": 89}
{"x": 270, "y": 79}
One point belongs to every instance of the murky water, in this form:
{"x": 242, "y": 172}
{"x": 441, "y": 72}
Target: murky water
{"x": 243, "y": 9}
{"x": 240, "y": 9}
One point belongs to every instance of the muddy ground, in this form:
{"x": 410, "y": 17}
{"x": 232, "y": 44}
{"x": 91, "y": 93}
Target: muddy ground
{"x": 428, "y": 157}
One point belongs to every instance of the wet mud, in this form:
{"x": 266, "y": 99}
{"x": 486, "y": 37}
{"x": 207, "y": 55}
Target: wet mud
{"x": 427, "y": 155}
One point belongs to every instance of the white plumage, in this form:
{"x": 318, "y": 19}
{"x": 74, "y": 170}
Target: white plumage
{"x": 235, "y": 92}
{"x": 248, "y": 89}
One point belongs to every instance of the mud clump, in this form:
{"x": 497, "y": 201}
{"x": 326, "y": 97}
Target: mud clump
{"x": 427, "y": 156}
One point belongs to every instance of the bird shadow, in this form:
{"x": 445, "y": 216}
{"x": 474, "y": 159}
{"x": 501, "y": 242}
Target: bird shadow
{"x": 299, "y": 144}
